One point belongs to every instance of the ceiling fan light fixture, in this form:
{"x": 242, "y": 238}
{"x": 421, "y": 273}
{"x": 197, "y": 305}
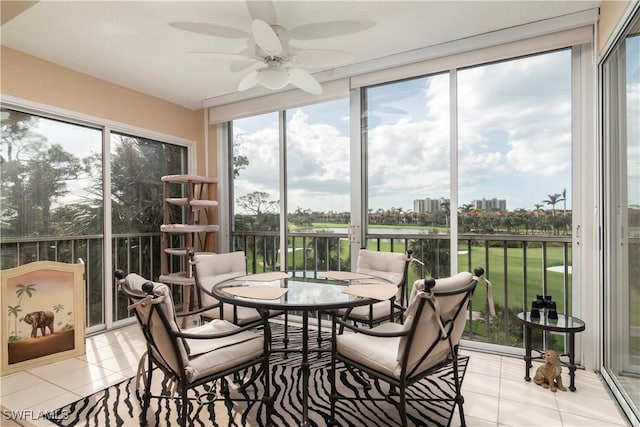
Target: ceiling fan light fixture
{"x": 273, "y": 78}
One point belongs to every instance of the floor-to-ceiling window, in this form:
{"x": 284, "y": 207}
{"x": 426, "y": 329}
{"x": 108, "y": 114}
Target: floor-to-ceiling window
{"x": 408, "y": 182}
{"x": 137, "y": 166}
{"x": 514, "y": 184}
{"x": 255, "y": 192}
{"x": 52, "y": 197}
{"x": 309, "y": 164}
{"x": 620, "y": 76}
{"x": 318, "y": 186}
{"x": 464, "y": 166}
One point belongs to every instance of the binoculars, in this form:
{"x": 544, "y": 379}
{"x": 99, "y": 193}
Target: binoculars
{"x": 544, "y": 302}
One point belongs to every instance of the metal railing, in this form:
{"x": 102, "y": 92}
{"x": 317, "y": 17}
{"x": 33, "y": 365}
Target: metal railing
{"x": 139, "y": 252}
{"x": 518, "y": 266}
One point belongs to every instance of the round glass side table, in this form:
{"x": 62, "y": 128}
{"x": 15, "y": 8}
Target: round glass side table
{"x": 565, "y": 324}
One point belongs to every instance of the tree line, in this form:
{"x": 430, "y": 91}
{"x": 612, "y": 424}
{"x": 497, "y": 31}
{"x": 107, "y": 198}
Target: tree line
{"x": 260, "y": 213}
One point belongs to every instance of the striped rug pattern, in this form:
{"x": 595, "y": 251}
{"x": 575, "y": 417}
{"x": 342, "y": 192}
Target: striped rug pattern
{"x": 119, "y": 405}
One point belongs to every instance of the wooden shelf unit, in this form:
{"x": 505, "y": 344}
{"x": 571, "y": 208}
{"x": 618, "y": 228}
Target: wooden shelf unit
{"x": 199, "y": 204}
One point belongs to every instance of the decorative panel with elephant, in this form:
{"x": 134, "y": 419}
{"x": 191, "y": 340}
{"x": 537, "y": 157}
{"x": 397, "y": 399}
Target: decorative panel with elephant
{"x": 43, "y": 314}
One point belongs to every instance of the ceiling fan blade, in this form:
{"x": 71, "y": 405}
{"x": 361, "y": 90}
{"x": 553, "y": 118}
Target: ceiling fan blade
{"x": 321, "y": 58}
{"x": 263, "y": 10}
{"x": 211, "y": 29}
{"x": 248, "y": 81}
{"x": 265, "y": 37}
{"x": 321, "y": 30}
{"x": 305, "y": 81}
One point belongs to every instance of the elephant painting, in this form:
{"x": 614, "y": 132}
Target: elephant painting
{"x": 41, "y": 320}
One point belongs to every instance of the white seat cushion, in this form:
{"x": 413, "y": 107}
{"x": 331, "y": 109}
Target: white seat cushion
{"x": 379, "y": 353}
{"x": 208, "y": 356}
{"x": 388, "y": 265}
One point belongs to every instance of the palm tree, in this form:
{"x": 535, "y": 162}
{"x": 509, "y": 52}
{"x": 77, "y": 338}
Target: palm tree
{"x": 553, "y": 199}
{"x": 564, "y": 199}
{"x": 538, "y": 207}
{"x": 25, "y": 289}
{"x": 21, "y": 290}
{"x": 13, "y": 311}
{"x": 466, "y": 208}
{"x": 446, "y": 207}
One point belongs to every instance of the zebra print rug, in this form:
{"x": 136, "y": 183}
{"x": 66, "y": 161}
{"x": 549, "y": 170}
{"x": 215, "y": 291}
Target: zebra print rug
{"x": 120, "y": 405}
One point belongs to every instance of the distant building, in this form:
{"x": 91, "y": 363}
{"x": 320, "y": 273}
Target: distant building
{"x": 491, "y": 204}
{"x": 429, "y": 205}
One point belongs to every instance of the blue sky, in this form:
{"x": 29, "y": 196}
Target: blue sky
{"x": 514, "y": 140}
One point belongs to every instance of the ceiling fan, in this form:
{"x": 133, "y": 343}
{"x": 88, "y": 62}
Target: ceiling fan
{"x": 275, "y": 63}
{"x": 279, "y": 65}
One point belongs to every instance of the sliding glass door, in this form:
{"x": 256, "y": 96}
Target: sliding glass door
{"x": 54, "y": 201}
{"x": 621, "y": 89}
{"x": 464, "y": 168}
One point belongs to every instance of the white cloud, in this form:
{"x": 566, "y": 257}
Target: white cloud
{"x": 514, "y": 132}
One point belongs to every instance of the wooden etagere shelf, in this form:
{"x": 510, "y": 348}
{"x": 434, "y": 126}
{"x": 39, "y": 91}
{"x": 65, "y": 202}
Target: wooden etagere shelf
{"x": 198, "y": 227}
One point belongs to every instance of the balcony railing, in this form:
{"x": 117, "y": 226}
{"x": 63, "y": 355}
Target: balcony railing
{"x": 519, "y": 267}
{"x": 139, "y": 252}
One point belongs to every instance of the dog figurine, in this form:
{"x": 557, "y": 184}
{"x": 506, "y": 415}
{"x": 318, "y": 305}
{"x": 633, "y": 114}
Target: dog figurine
{"x": 549, "y": 375}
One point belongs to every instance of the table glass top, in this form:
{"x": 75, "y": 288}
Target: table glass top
{"x": 302, "y": 292}
{"x": 562, "y": 322}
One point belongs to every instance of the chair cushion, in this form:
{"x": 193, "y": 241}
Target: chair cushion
{"x": 379, "y": 353}
{"x": 159, "y": 332}
{"x": 209, "y": 356}
{"x": 428, "y": 327}
{"x": 210, "y": 264}
{"x": 388, "y": 265}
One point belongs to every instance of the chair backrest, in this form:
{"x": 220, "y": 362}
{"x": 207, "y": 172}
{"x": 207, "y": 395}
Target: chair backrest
{"x": 388, "y": 265}
{"x": 156, "y": 315}
{"x": 210, "y": 269}
{"x": 436, "y": 319}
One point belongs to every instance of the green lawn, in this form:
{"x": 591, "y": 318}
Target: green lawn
{"x": 507, "y": 287}
{"x": 512, "y": 287}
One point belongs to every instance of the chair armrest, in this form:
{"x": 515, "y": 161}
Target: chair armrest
{"x": 400, "y": 306}
{"x": 371, "y": 332}
{"x": 197, "y": 310}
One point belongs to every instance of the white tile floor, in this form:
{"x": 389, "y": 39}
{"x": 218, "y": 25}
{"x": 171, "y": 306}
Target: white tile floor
{"x": 494, "y": 390}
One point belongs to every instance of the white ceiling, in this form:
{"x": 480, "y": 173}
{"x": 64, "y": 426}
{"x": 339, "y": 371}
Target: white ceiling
{"x": 132, "y": 43}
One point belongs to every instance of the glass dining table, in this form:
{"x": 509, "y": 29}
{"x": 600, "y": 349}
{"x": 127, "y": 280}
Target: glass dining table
{"x": 326, "y": 292}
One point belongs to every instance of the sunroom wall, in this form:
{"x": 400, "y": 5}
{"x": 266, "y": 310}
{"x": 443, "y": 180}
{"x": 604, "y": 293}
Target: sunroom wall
{"x": 610, "y": 14}
{"x": 31, "y": 80}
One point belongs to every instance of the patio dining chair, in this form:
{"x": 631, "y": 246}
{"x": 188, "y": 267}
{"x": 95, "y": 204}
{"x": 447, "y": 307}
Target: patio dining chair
{"x": 403, "y": 355}
{"x": 392, "y": 266}
{"x": 209, "y": 269}
{"x": 192, "y": 357}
